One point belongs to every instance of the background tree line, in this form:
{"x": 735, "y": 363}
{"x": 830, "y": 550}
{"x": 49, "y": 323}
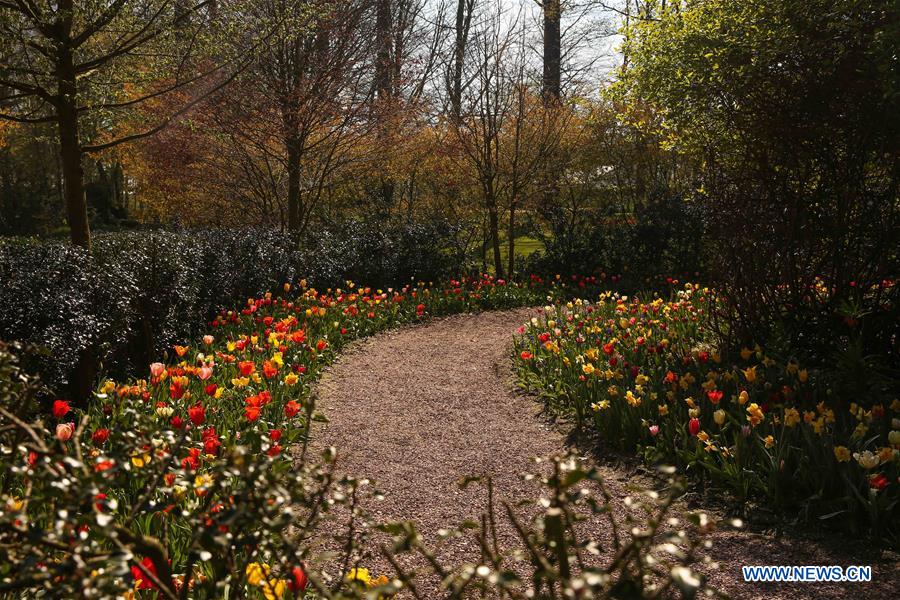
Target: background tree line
{"x": 752, "y": 143}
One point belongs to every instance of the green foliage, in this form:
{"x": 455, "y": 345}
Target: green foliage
{"x": 790, "y": 112}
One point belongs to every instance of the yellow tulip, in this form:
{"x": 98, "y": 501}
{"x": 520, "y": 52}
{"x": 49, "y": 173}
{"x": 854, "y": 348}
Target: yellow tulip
{"x": 257, "y": 573}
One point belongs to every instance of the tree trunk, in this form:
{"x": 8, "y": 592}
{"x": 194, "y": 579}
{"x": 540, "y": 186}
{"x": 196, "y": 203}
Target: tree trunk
{"x": 70, "y": 152}
{"x": 464, "y": 10}
{"x": 494, "y": 224}
{"x": 384, "y": 43}
{"x": 552, "y": 52}
{"x": 293, "y": 195}
{"x": 511, "y": 268}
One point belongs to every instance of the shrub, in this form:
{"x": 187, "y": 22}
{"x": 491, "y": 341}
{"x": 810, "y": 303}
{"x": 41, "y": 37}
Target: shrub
{"x": 140, "y": 292}
{"x": 637, "y": 250}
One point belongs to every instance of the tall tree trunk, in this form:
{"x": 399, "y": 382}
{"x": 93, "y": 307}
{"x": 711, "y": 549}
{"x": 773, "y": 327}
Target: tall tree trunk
{"x": 293, "y": 195}
{"x": 70, "y": 152}
{"x": 494, "y": 224}
{"x": 464, "y": 10}
{"x": 384, "y": 43}
{"x": 511, "y": 268}
{"x": 552, "y": 52}
{"x": 384, "y": 87}
{"x": 552, "y": 90}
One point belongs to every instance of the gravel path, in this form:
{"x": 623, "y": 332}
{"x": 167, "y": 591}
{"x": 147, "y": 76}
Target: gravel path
{"x": 418, "y": 408}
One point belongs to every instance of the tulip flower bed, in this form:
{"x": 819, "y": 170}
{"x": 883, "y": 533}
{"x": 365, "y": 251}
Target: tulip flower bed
{"x": 647, "y": 376}
{"x": 183, "y": 480}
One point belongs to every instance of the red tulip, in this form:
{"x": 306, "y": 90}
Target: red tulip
{"x": 247, "y": 367}
{"x": 694, "y": 426}
{"x": 269, "y": 369}
{"x": 197, "y": 414}
{"x": 298, "y": 581}
{"x": 878, "y": 482}
{"x": 211, "y": 445}
{"x": 138, "y": 574}
{"x": 60, "y": 408}
{"x": 291, "y": 408}
{"x": 100, "y": 436}
{"x": 251, "y": 412}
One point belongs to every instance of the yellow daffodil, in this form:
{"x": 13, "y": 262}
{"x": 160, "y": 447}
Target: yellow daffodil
{"x": 791, "y": 417}
{"x": 633, "y": 401}
{"x": 842, "y": 453}
{"x": 755, "y": 414}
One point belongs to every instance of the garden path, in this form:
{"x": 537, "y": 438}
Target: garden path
{"x": 416, "y": 409}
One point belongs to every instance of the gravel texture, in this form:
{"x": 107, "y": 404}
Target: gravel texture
{"x": 418, "y": 408}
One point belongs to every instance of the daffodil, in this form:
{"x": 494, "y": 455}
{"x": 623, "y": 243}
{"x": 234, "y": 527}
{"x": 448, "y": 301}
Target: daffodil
{"x": 791, "y": 417}
{"x": 755, "y": 414}
{"x": 842, "y": 453}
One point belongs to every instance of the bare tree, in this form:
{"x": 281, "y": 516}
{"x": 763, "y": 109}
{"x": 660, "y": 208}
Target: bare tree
{"x": 504, "y": 131}
{"x": 306, "y": 89}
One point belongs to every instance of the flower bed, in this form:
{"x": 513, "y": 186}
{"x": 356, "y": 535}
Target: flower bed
{"x": 647, "y": 375}
{"x": 184, "y": 478}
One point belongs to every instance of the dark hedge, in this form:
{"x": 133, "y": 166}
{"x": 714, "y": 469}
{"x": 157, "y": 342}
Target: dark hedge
{"x": 122, "y": 306}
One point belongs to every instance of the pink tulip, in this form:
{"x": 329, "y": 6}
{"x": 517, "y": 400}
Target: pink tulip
{"x": 64, "y": 431}
{"x": 157, "y": 369}
{"x": 654, "y": 430}
{"x": 205, "y": 373}
{"x": 208, "y": 340}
